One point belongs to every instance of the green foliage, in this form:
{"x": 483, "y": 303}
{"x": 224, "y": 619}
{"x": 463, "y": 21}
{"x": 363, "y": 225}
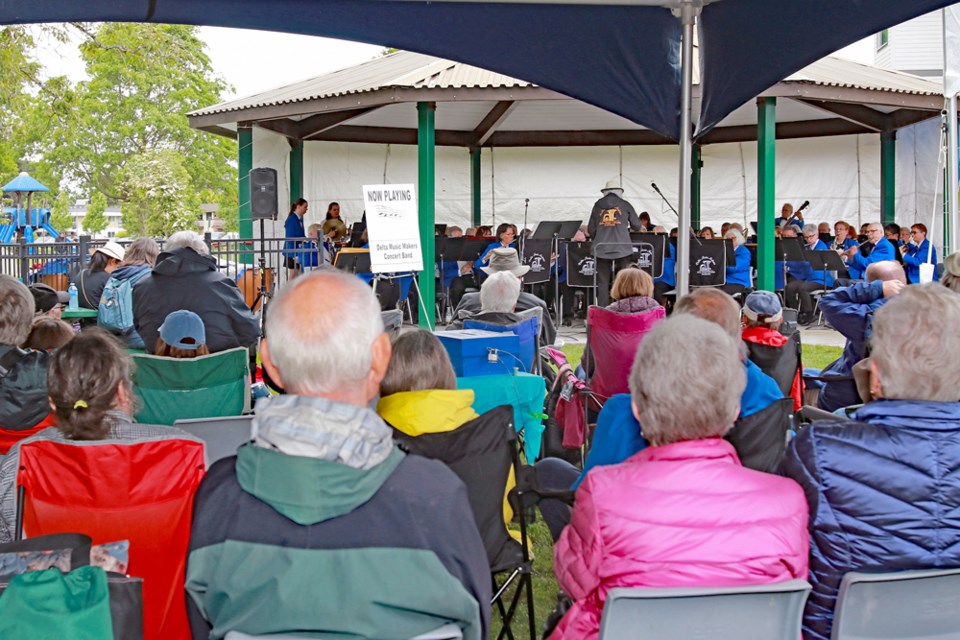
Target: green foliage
{"x": 60, "y": 216}
{"x": 144, "y": 79}
{"x": 95, "y": 221}
{"x": 158, "y": 195}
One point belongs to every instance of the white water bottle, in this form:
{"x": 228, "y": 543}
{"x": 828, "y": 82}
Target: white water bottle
{"x": 73, "y": 304}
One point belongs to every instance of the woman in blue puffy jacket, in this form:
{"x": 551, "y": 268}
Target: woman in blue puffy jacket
{"x": 884, "y": 487}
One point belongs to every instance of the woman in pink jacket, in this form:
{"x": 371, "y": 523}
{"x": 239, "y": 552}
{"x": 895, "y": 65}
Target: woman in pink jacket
{"x": 683, "y": 512}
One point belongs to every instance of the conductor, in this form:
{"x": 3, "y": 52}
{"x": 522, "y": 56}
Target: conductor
{"x": 611, "y": 222}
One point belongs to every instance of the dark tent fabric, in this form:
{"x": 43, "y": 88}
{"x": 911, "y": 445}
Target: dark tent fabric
{"x": 624, "y": 58}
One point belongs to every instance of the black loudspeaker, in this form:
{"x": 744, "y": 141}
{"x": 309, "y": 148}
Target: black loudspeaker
{"x": 263, "y": 194}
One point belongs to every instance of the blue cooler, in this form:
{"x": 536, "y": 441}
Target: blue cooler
{"x": 469, "y": 348}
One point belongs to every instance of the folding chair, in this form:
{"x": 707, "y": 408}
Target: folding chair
{"x": 137, "y": 491}
{"x": 761, "y": 438}
{"x": 222, "y": 436}
{"x": 10, "y": 437}
{"x": 783, "y": 364}
{"x": 482, "y": 453}
{"x": 446, "y": 632}
{"x": 174, "y": 389}
{"x": 613, "y": 339}
{"x": 760, "y": 612}
{"x": 908, "y": 605}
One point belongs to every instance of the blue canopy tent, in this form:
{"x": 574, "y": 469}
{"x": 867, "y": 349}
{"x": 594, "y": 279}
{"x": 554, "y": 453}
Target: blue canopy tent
{"x": 630, "y": 57}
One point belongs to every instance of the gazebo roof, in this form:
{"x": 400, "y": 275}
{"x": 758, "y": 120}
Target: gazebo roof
{"x": 374, "y": 102}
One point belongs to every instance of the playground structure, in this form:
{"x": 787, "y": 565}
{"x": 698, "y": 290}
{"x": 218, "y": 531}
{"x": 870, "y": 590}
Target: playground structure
{"x": 22, "y": 216}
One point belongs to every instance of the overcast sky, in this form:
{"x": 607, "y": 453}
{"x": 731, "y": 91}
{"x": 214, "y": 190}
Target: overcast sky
{"x": 254, "y": 61}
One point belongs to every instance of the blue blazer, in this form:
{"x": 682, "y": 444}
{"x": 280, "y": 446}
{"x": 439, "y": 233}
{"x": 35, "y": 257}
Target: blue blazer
{"x": 739, "y": 273}
{"x": 914, "y": 256}
{"x": 881, "y": 252}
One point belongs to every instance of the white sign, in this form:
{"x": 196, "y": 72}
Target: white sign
{"x": 393, "y": 227}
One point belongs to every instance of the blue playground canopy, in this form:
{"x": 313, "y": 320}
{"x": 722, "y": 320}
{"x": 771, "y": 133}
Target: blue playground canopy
{"x": 24, "y": 183}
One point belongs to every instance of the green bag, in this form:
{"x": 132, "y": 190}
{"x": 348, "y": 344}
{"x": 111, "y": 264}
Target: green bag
{"x": 49, "y": 605}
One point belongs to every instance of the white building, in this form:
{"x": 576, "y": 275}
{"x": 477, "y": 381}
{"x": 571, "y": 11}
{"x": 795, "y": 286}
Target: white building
{"x": 915, "y": 46}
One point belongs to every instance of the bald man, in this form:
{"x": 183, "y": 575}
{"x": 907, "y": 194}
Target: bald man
{"x": 322, "y": 524}
{"x": 850, "y": 311}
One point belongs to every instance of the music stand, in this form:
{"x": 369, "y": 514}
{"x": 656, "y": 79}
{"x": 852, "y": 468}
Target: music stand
{"x": 353, "y": 261}
{"x": 439, "y": 229}
{"x": 793, "y": 250}
{"x": 581, "y": 266}
{"x": 650, "y": 250}
{"x": 828, "y": 261}
{"x": 708, "y": 262}
{"x": 536, "y": 254}
{"x": 556, "y": 230}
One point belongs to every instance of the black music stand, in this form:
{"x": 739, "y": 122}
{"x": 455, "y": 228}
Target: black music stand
{"x": 708, "y": 262}
{"x": 649, "y": 249}
{"x": 828, "y": 261}
{"x": 536, "y": 255}
{"x": 557, "y": 231}
{"x": 353, "y": 262}
{"x": 793, "y": 250}
{"x": 439, "y": 229}
{"x": 581, "y": 267}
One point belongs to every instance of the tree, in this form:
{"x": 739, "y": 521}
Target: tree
{"x": 60, "y": 217}
{"x": 144, "y": 79}
{"x": 158, "y": 195}
{"x": 19, "y": 73}
{"x": 95, "y": 221}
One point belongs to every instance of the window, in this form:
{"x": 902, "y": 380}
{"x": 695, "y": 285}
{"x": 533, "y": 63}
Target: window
{"x": 883, "y": 39}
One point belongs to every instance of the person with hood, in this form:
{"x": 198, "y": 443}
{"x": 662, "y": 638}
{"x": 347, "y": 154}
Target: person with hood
{"x": 611, "y": 221}
{"x": 186, "y": 277}
{"x": 683, "y": 512}
{"x": 322, "y": 525}
{"x": 139, "y": 258}
{"x": 884, "y": 486}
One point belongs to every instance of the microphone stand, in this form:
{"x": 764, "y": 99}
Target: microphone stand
{"x": 670, "y": 206}
{"x": 523, "y": 237}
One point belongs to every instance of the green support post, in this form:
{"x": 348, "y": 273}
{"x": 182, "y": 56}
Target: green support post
{"x": 426, "y": 169}
{"x": 296, "y": 171}
{"x": 244, "y": 165}
{"x": 695, "y": 188}
{"x": 888, "y": 176}
{"x": 766, "y": 191}
{"x": 475, "y": 185}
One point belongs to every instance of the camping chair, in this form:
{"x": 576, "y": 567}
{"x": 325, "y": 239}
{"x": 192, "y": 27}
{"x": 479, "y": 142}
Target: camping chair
{"x": 174, "y": 389}
{"x": 482, "y": 453}
{"x": 446, "y": 632}
{"x": 612, "y": 340}
{"x": 10, "y": 437}
{"x": 767, "y": 611}
{"x": 783, "y": 364}
{"x": 910, "y": 605}
{"x": 137, "y": 491}
{"x": 528, "y": 330}
{"x": 222, "y": 436}
{"x": 761, "y": 438}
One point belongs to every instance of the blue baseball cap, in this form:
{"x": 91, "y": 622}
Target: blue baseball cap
{"x": 183, "y": 329}
{"x": 763, "y": 305}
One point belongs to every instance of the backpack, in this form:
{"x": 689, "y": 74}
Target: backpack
{"x": 115, "y": 312}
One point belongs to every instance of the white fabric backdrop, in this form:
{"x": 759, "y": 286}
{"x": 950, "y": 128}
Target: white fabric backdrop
{"x": 839, "y": 175}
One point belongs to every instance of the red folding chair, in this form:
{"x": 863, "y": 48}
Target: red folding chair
{"x": 141, "y": 492}
{"x": 10, "y": 437}
{"x": 614, "y": 338}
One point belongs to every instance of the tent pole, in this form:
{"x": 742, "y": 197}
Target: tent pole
{"x": 687, "y": 14}
{"x": 952, "y": 233}
{"x": 244, "y": 165}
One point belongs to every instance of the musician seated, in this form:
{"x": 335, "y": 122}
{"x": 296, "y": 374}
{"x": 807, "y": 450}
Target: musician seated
{"x": 803, "y": 279}
{"x": 882, "y": 250}
{"x": 790, "y": 217}
{"x": 738, "y": 274}
{"x": 506, "y": 259}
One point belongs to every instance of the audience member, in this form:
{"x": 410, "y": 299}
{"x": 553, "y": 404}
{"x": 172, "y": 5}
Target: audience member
{"x": 849, "y": 310}
{"x": 611, "y": 221}
{"x": 47, "y": 300}
{"x": 138, "y": 261}
{"x": 91, "y": 281}
{"x": 762, "y": 319}
{"x": 92, "y": 395}
{"x": 951, "y": 272}
{"x": 803, "y": 279}
{"x": 653, "y": 521}
{"x": 918, "y": 251}
{"x": 717, "y": 307}
{"x": 882, "y": 487}
{"x": 328, "y": 522}
{"x": 181, "y": 336}
{"x": 499, "y": 293}
{"x": 738, "y": 274}
{"x": 632, "y": 292}
{"x": 186, "y": 277}
{"x": 48, "y": 333}
{"x": 506, "y": 259}
{"x": 882, "y": 251}
{"x": 23, "y": 374}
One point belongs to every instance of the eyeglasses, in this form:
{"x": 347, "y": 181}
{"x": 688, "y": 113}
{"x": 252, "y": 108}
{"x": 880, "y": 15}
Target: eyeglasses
{"x": 915, "y": 232}
{"x": 810, "y": 237}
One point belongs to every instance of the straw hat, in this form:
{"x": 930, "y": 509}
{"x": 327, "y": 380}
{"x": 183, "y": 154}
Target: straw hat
{"x": 505, "y": 259}
{"x": 611, "y": 185}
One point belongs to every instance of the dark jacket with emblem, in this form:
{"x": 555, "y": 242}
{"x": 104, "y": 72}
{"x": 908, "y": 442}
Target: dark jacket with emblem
{"x": 610, "y": 224}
